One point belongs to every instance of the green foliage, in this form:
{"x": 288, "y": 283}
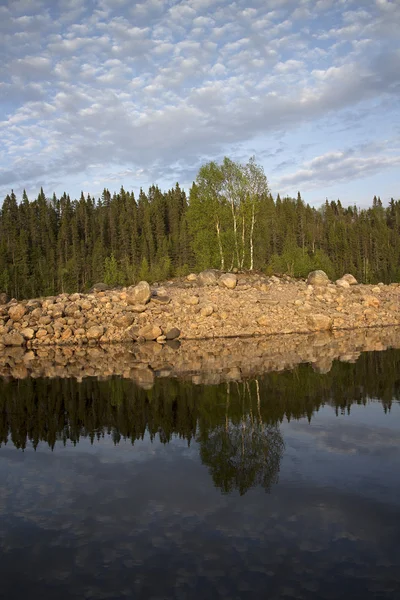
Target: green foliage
{"x": 112, "y": 274}
{"x": 48, "y": 246}
{"x": 144, "y": 271}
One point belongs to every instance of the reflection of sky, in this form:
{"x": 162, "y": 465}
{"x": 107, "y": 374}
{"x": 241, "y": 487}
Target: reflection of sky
{"x": 145, "y": 521}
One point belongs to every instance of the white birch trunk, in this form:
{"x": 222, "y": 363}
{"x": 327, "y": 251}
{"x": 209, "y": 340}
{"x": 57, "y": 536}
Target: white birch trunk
{"x": 221, "y": 253}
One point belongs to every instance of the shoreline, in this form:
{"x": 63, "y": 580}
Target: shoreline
{"x": 198, "y": 308}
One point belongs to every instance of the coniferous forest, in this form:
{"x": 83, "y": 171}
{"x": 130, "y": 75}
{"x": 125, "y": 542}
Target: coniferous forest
{"x": 229, "y": 220}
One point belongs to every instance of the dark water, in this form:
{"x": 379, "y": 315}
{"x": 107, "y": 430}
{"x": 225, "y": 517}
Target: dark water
{"x": 283, "y": 487}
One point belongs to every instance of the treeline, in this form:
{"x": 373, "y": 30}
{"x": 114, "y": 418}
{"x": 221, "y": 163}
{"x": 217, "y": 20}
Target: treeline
{"x": 52, "y": 245}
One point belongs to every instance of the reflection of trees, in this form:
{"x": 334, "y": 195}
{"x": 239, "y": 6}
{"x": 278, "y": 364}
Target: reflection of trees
{"x": 244, "y": 453}
{"x": 51, "y": 410}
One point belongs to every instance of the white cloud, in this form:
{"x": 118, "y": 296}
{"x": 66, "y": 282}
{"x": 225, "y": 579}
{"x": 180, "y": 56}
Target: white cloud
{"x": 153, "y": 84}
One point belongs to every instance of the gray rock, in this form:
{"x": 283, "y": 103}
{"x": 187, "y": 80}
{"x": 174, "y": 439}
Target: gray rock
{"x": 139, "y": 294}
{"x": 207, "y": 278}
{"x": 317, "y": 278}
{"x": 173, "y": 333}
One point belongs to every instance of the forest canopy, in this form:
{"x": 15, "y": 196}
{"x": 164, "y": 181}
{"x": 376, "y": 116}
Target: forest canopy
{"x": 229, "y": 220}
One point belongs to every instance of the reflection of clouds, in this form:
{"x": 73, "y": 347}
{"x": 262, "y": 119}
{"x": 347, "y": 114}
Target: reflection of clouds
{"x": 75, "y": 522}
{"x": 345, "y": 438}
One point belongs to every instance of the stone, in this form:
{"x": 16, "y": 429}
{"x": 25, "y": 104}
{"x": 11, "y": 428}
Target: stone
{"x": 66, "y": 334}
{"x": 229, "y": 280}
{"x": 342, "y": 283}
{"x": 150, "y": 332}
{"x": 74, "y": 297}
{"x": 13, "y": 339}
{"x": 207, "y": 310}
{"x": 41, "y": 333}
{"x": 350, "y": 279}
{"x": 161, "y": 299}
{"x": 4, "y": 298}
{"x": 139, "y": 294}
{"x": 263, "y": 320}
{"x": 28, "y": 333}
{"x": 173, "y": 333}
{"x": 318, "y": 278}
{"x": 138, "y": 308}
{"x": 319, "y": 322}
{"x": 124, "y": 320}
{"x": 192, "y": 277}
{"x": 371, "y": 301}
{"x": 95, "y": 332}
{"x": 191, "y": 300}
{"x": 16, "y": 312}
{"x": 207, "y": 278}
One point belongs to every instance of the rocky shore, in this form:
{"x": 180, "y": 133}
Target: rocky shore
{"x": 204, "y": 306}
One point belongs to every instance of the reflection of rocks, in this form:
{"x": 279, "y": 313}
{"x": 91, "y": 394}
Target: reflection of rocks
{"x": 201, "y": 361}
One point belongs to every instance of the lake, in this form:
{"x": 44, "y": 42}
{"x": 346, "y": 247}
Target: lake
{"x": 285, "y": 485}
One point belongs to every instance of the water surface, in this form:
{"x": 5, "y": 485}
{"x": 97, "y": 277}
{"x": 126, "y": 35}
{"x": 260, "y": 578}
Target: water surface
{"x": 283, "y": 486}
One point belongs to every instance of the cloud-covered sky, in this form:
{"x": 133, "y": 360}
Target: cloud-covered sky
{"x": 104, "y": 93}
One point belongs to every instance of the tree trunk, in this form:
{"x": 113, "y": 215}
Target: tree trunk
{"x": 253, "y": 220}
{"x": 221, "y": 253}
{"x": 235, "y": 233}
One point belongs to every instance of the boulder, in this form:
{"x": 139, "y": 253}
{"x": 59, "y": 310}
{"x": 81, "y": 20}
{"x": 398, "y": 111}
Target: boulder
{"x": 28, "y": 333}
{"x": 319, "y": 322}
{"x": 13, "y": 339}
{"x": 124, "y": 320}
{"x": 4, "y": 298}
{"x": 228, "y": 280}
{"x": 342, "y": 283}
{"x": 207, "y": 278}
{"x": 95, "y": 332}
{"x": 351, "y": 280}
{"x": 139, "y": 294}
{"x": 317, "y": 278}
{"x": 150, "y": 332}
{"x": 173, "y": 333}
{"x": 16, "y": 312}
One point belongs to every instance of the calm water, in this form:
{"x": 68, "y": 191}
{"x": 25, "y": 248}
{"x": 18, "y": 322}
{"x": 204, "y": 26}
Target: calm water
{"x": 283, "y": 487}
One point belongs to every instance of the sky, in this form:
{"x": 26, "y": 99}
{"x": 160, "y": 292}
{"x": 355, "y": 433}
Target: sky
{"x": 104, "y": 93}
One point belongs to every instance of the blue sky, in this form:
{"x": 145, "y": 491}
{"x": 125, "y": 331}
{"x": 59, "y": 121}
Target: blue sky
{"x": 104, "y": 93}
